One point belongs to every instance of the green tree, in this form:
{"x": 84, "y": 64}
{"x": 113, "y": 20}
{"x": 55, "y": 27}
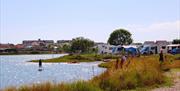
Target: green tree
{"x": 176, "y": 41}
{"x": 66, "y": 48}
{"x": 81, "y": 45}
{"x": 120, "y": 37}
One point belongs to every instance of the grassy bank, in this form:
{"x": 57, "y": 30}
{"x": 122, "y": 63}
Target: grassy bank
{"x": 79, "y": 58}
{"x": 142, "y": 73}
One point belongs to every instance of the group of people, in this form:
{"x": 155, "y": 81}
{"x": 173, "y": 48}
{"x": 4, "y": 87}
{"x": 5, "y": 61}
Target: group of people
{"x": 124, "y": 59}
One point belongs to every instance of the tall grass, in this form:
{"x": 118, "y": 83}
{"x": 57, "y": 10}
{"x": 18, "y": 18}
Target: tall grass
{"x": 140, "y": 72}
{"x": 143, "y": 72}
{"x": 76, "y": 86}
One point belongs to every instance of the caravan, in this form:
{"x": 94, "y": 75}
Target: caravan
{"x": 173, "y": 48}
{"x": 150, "y": 47}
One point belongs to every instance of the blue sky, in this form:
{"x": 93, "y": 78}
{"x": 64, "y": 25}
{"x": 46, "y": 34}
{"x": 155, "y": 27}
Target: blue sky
{"x": 93, "y": 19}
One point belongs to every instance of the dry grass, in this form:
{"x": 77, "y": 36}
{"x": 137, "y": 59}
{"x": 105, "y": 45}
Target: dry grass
{"x": 137, "y": 73}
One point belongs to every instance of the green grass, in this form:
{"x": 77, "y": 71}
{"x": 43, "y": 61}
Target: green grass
{"x": 79, "y": 58}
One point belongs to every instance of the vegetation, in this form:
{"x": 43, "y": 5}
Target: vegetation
{"x": 66, "y": 48}
{"x": 76, "y": 86}
{"x": 80, "y": 58}
{"x": 120, "y": 37}
{"x": 176, "y": 41}
{"x": 81, "y": 45}
{"x": 142, "y": 73}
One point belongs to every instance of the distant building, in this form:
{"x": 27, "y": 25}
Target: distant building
{"x": 19, "y": 46}
{"x": 149, "y": 43}
{"x": 35, "y": 43}
{"x": 138, "y": 45}
{"x": 7, "y": 48}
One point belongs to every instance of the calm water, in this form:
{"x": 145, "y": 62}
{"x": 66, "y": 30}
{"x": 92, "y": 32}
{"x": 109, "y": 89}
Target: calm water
{"x": 16, "y": 71}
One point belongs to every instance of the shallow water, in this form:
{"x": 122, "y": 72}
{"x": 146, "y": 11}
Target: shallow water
{"x": 16, "y": 71}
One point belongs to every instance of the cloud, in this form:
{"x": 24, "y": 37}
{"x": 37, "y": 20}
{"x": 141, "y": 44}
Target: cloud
{"x": 157, "y": 31}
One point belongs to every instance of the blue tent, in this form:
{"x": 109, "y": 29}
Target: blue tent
{"x": 131, "y": 50}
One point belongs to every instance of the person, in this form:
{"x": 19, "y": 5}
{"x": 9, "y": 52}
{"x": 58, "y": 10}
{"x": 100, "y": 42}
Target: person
{"x": 40, "y": 63}
{"x": 123, "y": 59}
{"x": 161, "y": 58}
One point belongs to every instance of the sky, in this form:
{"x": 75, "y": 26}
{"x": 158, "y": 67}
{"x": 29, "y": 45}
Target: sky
{"x": 93, "y": 19}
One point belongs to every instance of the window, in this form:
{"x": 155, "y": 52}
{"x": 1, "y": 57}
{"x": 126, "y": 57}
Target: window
{"x": 153, "y": 48}
{"x": 119, "y": 48}
{"x": 110, "y": 48}
{"x": 173, "y": 48}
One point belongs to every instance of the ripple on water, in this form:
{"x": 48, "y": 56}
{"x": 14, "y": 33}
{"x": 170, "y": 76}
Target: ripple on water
{"x": 16, "y": 71}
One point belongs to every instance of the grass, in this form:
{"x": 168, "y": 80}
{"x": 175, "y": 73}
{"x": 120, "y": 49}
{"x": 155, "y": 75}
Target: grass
{"x": 141, "y": 74}
{"x": 76, "y": 86}
{"x": 79, "y": 58}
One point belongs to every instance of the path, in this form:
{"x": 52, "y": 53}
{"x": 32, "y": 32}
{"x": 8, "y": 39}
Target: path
{"x": 176, "y": 86}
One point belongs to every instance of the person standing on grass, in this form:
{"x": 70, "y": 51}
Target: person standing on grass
{"x": 161, "y": 57}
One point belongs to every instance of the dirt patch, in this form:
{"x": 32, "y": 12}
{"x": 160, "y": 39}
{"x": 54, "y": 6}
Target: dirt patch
{"x": 176, "y": 85}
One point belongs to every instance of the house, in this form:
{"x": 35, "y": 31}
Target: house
{"x": 19, "y": 46}
{"x": 149, "y": 43}
{"x": 63, "y": 42}
{"x": 36, "y": 43}
{"x": 7, "y": 48}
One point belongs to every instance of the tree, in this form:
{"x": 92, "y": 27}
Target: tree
{"x": 81, "y": 44}
{"x": 120, "y": 37}
{"x": 66, "y": 48}
{"x": 176, "y": 41}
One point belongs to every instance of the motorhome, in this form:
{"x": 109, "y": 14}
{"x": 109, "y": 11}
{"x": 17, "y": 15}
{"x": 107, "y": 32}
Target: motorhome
{"x": 172, "y": 47}
{"x": 108, "y": 49}
{"x": 111, "y": 49}
{"x": 150, "y": 47}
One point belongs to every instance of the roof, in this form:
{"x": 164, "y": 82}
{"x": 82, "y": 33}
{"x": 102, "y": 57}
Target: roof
{"x": 162, "y": 42}
{"x": 6, "y": 46}
{"x": 149, "y": 42}
{"x": 173, "y": 45}
{"x": 130, "y": 46}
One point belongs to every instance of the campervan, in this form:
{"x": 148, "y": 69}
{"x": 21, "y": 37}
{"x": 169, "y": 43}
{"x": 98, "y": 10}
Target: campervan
{"x": 149, "y": 49}
{"x": 173, "y": 48}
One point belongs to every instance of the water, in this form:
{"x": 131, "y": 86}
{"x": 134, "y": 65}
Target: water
{"x": 16, "y": 71}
